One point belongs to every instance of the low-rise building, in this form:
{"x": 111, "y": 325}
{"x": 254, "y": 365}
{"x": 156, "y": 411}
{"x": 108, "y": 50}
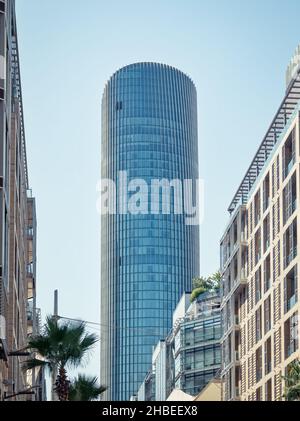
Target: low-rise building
{"x": 190, "y": 357}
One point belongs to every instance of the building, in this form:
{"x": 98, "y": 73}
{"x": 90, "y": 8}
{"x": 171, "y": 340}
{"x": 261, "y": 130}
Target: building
{"x": 212, "y": 392}
{"x": 190, "y": 357}
{"x": 260, "y": 259}
{"x": 17, "y": 219}
{"x": 149, "y": 257}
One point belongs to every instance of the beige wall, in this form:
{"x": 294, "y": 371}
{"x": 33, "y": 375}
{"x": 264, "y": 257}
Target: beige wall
{"x": 256, "y": 339}
{"x": 212, "y": 392}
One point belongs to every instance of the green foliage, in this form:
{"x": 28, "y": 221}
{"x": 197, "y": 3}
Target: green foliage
{"x": 201, "y": 285}
{"x": 196, "y": 292}
{"x": 60, "y": 345}
{"x": 85, "y": 388}
{"x": 292, "y": 382}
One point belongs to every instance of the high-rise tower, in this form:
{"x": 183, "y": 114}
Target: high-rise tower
{"x": 149, "y": 130}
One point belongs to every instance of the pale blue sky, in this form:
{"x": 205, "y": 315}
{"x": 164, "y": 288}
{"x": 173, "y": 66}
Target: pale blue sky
{"x": 236, "y": 52}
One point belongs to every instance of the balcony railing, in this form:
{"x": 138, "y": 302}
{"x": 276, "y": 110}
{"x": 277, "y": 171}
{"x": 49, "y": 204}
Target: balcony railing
{"x": 268, "y": 367}
{"x": 289, "y": 303}
{"x": 243, "y": 237}
{"x": 258, "y": 374}
{"x": 288, "y": 167}
{"x": 291, "y": 256}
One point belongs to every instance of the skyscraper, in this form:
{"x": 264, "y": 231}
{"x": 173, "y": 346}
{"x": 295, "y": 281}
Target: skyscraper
{"x": 149, "y": 130}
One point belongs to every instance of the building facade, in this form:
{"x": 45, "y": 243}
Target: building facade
{"x": 17, "y": 218}
{"x": 190, "y": 356}
{"x": 259, "y": 261}
{"x": 149, "y": 131}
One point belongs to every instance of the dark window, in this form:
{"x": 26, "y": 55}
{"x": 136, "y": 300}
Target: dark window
{"x": 291, "y": 335}
{"x": 258, "y": 365}
{"x": 266, "y": 192}
{"x": 288, "y": 154}
{"x": 290, "y": 289}
{"x": 290, "y": 243}
{"x": 266, "y": 229}
{"x": 267, "y": 273}
{"x": 268, "y": 358}
{"x": 257, "y": 207}
{"x": 267, "y": 314}
{"x": 289, "y": 198}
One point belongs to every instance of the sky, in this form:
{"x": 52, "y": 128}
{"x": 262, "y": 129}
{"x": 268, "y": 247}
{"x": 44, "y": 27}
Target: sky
{"x": 235, "y": 51}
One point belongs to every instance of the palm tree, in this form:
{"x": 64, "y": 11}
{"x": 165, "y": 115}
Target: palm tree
{"x": 59, "y": 346}
{"x": 292, "y": 382}
{"x": 85, "y": 388}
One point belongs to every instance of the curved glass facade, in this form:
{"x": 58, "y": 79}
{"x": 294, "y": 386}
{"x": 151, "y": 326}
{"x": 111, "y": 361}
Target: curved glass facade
{"x": 149, "y": 129}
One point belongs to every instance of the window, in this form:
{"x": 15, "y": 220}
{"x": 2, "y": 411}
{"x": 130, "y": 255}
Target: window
{"x": 258, "y": 324}
{"x": 290, "y": 289}
{"x": 267, "y": 273}
{"x": 268, "y": 390}
{"x": 257, "y": 207}
{"x": 235, "y": 231}
{"x": 119, "y": 106}
{"x": 289, "y": 198}
{"x": 258, "y": 365}
{"x": 257, "y": 246}
{"x": 266, "y": 192}
{"x": 258, "y": 285}
{"x": 268, "y": 357}
{"x": 290, "y": 243}
{"x": 267, "y": 314}
{"x": 266, "y": 232}
{"x": 288, "y": 154}
{"x": 291, "y": 335}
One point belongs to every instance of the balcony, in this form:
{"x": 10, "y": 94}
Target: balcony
{"x": 30, "y": 233}
{"x": 289, "y": 167}
{"x": 258, "y": 374}
{"x": 240, "y": 281}
{"x": 290, "y": 302}
{"x": 244, "y": 271}
{"x": 237, "y": 356}
{"x": 244, "y": 240}
{"x": 291, "y": 256}
{"x": 30, "y": 312}
{"x": 237, "y": 322}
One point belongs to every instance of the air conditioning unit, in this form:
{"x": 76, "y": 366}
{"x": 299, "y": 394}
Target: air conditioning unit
{"x": 3, "y": 343}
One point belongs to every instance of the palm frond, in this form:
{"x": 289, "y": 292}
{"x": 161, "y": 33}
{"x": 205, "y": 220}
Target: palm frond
{"x": 35, "y": 362}
{"x": 85, "y": 388}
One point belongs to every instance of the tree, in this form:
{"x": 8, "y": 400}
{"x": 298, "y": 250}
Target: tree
{"x": 85, "y": 388}
{"x": 292, "y": 382}
{"x": 59, "y": 346}
{"x": 210, "y": 284}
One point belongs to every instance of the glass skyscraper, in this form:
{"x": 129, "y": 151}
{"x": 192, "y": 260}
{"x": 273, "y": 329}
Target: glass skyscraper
{"x": 149, "y": 129}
